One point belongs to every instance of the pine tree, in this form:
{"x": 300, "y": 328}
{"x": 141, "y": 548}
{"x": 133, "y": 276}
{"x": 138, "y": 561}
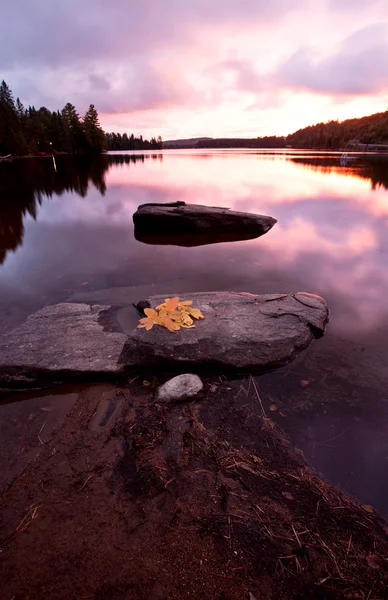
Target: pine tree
{"x": 12, "y": 140}
{"x": 6, "y": 97}
{"x": 95, "y": 137}
{"x": 73, "y": 124}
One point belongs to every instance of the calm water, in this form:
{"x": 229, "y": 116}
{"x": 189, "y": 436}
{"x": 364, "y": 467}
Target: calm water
{"x": 66, "y": 231}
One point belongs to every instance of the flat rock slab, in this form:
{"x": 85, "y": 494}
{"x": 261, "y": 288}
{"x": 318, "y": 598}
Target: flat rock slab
{"x": 190, "y": 219}
{"x": 240, "y": 331}
{"x": 61, "y": 339}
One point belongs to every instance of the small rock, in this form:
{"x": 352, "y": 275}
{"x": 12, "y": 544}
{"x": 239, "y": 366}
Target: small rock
{"x": 180, "y": 388}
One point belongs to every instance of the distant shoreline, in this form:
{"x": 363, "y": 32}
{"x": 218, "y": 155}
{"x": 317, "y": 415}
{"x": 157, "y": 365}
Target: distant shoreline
{"x": 368, "y": 151}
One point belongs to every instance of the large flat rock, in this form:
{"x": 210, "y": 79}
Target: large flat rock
{"x": 170, "y": 223}
{"x": 64, "y": 339}
{"x": 240, "y": 332}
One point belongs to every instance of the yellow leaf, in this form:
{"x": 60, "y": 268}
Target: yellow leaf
{"x": 170, "y": 325}
{"x": 185, "y": 303}
{"x": 171, "y": 314}
{"x": 185, "y": 319}
{"x": 171, "y": 304}
{"x": 196, "y": 313}
{"x": 146, "y": 383}
{"x": 146, "y": 323}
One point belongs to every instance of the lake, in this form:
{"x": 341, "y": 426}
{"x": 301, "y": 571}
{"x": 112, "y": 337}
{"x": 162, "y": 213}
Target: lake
{"x": 66, "y": 229}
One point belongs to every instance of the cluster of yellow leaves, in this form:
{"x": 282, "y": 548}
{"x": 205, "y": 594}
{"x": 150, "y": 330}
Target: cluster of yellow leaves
{"x": 172, "y": 314}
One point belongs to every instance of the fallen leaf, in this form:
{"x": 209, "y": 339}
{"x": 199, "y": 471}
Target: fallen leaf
{"x": 368, "y": 508}
{"x": 273, "y": 407}
{"x": 373, "y": 561}
{"x": 196, "y": 313}
{"x": 171, "y": 314}
{"x": 304, "y": 383}
{"x": 149, "y": 320}
{"x": 146, "y": 383}
{"x": 288, "y": 495}
{"x": 185, "y": 303}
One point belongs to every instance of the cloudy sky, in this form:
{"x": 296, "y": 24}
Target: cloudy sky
{"x": 182, "y": 68}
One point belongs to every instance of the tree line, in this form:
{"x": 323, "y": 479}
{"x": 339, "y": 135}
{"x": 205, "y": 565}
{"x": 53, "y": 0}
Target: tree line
{"x": 368, "y": 131}
{"x": 271, "y": 141}
{"x": 32, "y": 131}
{"x": 118, "y": 141}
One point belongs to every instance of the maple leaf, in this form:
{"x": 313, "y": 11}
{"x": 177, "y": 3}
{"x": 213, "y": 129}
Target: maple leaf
{"x": 169, "y": 304}
{"x": 167, "y": 322}
{"x": 171, "y": 314}
{"x": 150, "y": 320}
{"x": 196, "y": 313}
{"x": 185, "y": 303}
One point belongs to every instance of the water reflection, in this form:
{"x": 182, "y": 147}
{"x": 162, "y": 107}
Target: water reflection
{"x": 72, "y": 236}
{"x": 372, "y": 168}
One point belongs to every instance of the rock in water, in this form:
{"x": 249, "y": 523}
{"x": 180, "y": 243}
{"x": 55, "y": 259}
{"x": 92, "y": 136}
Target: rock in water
{"x": 240, "y": 331}
{"x": 190, "y": 219}
{"x": 180, "y": 388}
{"x": 64, "y": 339}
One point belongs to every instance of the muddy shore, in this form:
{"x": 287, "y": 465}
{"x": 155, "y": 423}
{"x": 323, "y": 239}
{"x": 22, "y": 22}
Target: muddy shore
{"x": 128, "y": 498}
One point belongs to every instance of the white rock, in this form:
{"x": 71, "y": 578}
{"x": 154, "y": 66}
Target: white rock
{"x": 180, "y": 388}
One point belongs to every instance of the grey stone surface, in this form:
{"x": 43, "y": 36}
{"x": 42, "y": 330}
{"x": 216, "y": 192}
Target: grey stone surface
{"x": 179, "y": 388}
{"x": 240, "y": 331}
{"x": 191, "y": 219}
{"x": 63, "y": 338}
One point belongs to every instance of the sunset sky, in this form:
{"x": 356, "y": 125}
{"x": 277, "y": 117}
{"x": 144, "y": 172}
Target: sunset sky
{"x": 187, "y": 68}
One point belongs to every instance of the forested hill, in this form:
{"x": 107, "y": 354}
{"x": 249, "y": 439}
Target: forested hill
{"x": 352, "y": 133}
{"x": 31, "y": 131}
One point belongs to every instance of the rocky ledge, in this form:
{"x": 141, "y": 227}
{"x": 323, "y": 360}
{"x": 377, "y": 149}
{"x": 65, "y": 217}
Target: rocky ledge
{"x": 240, "y": 332}
{"x": 190, "y": 219}
{"x": 59, "y": 341}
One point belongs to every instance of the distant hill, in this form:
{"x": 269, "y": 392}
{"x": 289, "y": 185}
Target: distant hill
{"x": 366, "y": 133}
{"x": 184, "y": 143}
{"x": 207, "y": 142}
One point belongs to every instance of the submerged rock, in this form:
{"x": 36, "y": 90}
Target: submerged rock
{"x": 64, "y": 339}
{"x": 213, "y": 222}
{"x": 240, "y": 332}
{"x": 180, "y": 388}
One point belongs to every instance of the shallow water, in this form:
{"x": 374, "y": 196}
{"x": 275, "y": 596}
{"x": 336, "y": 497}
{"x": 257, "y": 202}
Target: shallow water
{"x": 67, "y": 233}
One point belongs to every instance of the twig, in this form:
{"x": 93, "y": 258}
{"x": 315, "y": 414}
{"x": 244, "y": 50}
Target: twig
{"x": 335, "y": 437}
{"x": 370, "y": 591}
{"x": 90, "y": 476}
{"x": 230, "y": 532}
{"x": 258, "y": 397}
{"x": 296, "y": 535}
{"x": 226, "y": 576}
{"x": 349, "y": 546}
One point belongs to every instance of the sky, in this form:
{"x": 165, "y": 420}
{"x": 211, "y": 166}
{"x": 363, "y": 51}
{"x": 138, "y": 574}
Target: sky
{"x": 188, "y": 68}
